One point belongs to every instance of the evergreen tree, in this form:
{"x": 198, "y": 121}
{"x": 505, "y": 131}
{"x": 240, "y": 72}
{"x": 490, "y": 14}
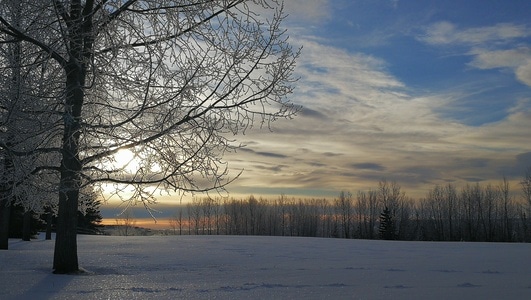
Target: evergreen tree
{"x": 16, "y": 226}
{"x": 89, "y": 222}
{"x": 387, "y": 226}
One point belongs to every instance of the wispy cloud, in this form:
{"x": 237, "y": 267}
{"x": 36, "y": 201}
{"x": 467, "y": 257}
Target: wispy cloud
{"x": 445, "y": 33}
{"x": 357, "y": 109}
{"x": 369, "y": 166}
{"x": 523, "y": 73}
{"x": 518, "y": 60}
{"x": 485, "y": 59}
{"x": 489, "y": 46}
{"x": 361, "y": 123}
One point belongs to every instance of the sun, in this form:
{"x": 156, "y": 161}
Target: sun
{"x": 126, "y": 159}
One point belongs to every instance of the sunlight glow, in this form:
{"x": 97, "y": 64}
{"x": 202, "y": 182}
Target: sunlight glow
{"x": 126, "y": 159}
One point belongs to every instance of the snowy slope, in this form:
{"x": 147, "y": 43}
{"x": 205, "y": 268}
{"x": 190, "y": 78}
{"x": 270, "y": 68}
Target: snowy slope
{"x": 234, "y": 267}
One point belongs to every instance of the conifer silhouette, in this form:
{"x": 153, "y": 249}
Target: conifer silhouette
{"x": 387, "y": 227}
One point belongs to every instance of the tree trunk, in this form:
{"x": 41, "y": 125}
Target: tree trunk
{"x": 65, "y": 255}
{"x": 49, "y": 219}
{"x": 5, "y": 212}
{"x": 14, "y": 94}
{"x": 26, "y": 225}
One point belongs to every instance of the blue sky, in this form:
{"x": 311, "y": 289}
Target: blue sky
{"x": 419, "y": 92}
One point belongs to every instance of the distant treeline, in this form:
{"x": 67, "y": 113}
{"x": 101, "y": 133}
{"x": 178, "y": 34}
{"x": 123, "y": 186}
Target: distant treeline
{"x": 447, "y": 213}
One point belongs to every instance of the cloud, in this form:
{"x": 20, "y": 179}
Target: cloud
{"x": 484, "y": 41}
{"x": 524, "y": 159}
{"x": 369, "y": 166}
{"x": 307, "y": 112}
{"x": 485, "y": 59}
{"x": 518, "y": 60}
{"x": 274, "y": 169}
{"x": 340, "y": 73}
{"x": 523, "y": 72}
{"x": 264, "y": 154}
{"x": 509, "y": 135}
{"x": 414, "y": 175}
{"x": 271, "y": 154}
{"x": 444, "y": 33}
{"x": 361, "y": 124}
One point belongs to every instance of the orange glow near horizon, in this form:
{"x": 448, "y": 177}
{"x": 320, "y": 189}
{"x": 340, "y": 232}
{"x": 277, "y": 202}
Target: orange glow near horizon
{"x": 160, "y": 224}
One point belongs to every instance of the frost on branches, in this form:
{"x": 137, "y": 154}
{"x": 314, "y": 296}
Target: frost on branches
{"x": 169, "y": 81}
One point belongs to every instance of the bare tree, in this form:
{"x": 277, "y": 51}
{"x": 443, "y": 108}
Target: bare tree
{"x": 194, "y": 214}
{"x": 525, "y": 209}
{"x": 126, "y": 222}
{"x": 173, "y": 221}
{"x": 451, "y": 210}
{"x": 176, "y": 220}
{"x": 507, "y": 227}
{"x": 166, "y": 80}
{"x": 218, "y": 218}
{"x": 27, "y": 122}
{"x": 10, "y": 98}
{"x": 345, "y": 210}
{"x": 490, "y": 219}
{"x": 281, "y": 204}
{"x": 441, "y": 206}
{"x": 326, "y": 215}
{"x": 434, "y": 203}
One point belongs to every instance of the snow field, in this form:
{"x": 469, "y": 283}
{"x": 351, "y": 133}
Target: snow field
{"x": 249, "y": 267}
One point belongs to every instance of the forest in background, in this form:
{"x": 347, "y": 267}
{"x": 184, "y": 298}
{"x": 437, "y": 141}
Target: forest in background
{"x": 474, "y": 212}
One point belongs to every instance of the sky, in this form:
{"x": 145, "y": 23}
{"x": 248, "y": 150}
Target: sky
{"x": 416, "y": 92}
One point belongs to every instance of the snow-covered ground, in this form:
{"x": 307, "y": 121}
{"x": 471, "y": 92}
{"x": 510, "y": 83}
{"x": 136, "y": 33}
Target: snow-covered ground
{"x": 238, "y": 267}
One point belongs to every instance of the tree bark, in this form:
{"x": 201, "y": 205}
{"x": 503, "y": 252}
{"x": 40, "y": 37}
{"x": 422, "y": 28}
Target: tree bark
{"x": 49, "y": 219}
{"x": 65, "y": 255}
{"x": 5, "y": 204}
{"x": 26, "y": 225}
{"x": 5, "y": 212}
{"x": 80, "y": 44}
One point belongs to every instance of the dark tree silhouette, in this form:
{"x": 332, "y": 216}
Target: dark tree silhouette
{"x": 386, "y": 229}
{"x": 89, "y": 222}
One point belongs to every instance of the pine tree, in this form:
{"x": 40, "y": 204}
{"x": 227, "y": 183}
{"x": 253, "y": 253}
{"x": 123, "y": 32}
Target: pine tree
{"x": 387, "y": 227}
{"x": 89, "y": 222}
